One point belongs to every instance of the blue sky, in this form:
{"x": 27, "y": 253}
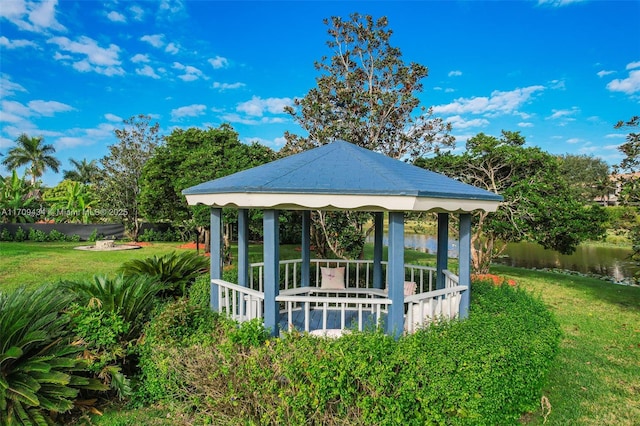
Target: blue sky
{"x": 562, "y": 72}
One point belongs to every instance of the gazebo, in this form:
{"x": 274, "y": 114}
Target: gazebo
{"x": 327, "y": 296}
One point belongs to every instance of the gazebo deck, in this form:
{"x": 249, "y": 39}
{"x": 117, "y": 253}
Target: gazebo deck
{"x": 333, "y": 320}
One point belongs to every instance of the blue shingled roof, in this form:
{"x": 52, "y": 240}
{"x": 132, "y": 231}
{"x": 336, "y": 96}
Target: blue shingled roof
{"x": 342, "y": 168}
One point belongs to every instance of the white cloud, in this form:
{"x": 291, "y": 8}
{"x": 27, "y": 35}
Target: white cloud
{"x": 632, "y": 65}
{"x": 18, "y": 113}
{"x": 113, "y": 117}
{"x": 88, "y": 56}
{"x": 604, "y": 73}
{"x": 172, "y": 6}
{"x": 114, "y": 16}
{"x": 188, "y": 111}
{"x": 85, "y": 137}
{"x": 219, "y": 62}
{"x": 558, "y": 3}
{"x": 155, "y": 40}
{"x": 237, "y": 118}
{"x": 227, "y": 86}
{"x": 190, "y": 73}
{"x": 43, "y": 15}
{"x": 460, "y": 123}
{"x": 455, "y": 73}
{"x": 525, "y": 124}
{"x": 32, "y": 16}
{"x": 140, "y": 58}
{"x": 147, "y": 71}
{"x": 563, "y": 113}
{"x": 629, "y": 85}
{"x": 172, "y": 48}
{"x": 138, "y": 13}
{"x": 498, "y": 103}
{"x": 574, "y": 140}
{"x": 275, "y": 143}
{"x": 8, "y": 87}
{"x": 49, "y": 108}
{"x": 257, "y": 106}
{"x": 13, "y": 112}
{"x": 15, "y": 44}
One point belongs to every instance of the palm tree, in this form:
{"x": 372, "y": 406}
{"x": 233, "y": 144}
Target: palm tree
{"x": 85, "y": 172}
{"x": 33, "y": 153}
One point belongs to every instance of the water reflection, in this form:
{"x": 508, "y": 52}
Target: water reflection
{"x": 606, "y": 261}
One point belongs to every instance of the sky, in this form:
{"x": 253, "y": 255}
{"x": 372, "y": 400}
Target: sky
{"x": 561, "y": 72}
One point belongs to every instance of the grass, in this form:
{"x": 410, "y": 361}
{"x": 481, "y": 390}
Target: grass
{"x": 595, "y": 380}
{"x": 596, "y": 377}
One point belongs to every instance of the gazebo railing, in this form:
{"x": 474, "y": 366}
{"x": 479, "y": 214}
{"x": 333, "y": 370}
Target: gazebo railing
{"x": 238, "y": 302}
{"x": 369, "y": 304}
{"x": 358, "y": 274}
{"x": 423, "y": 308}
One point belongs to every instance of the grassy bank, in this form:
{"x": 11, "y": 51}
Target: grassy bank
{"x": 596, "y": 378}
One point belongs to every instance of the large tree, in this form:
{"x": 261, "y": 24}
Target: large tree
{"x": 589, "y": 177}
{"x": 33, "y": 153}
{"x": 539, "y": 205}
{"x": 190, "y": 157}
{"x": 120, "y": 187}
{"x": 365, "y": 94}
{"x": 629, "y": 178}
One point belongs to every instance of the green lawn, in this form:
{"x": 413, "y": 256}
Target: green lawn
{"x": 595, "y": 380}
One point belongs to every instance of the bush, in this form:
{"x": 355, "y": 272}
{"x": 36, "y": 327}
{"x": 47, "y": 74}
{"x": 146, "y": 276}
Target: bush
{"x": 108, "y": 319}
{"x": 488, "y": 369}
{"x": 41, "y": 373}
{"x": 20, "y": 235}
{"x": 176, "y": 271}
{"x": 55, "y": 235}
{"x": 37, "y": 235}
{"x": 5, "y": 235}
{"x": 179, "y": 324}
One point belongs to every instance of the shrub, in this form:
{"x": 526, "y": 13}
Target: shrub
{"x": 485, "y": 370}
{"x": 37, "y": 235}
{"x": 200, "y": 291}
{"x": 40, "y": 371}
{"x": 175, "y": 271}
{"x": 108, "y": 319}
{"x": 55, "y": 235}
{"x": 20, "y": 235}
{"x": 179, "y": 324}
{"x": 5, "y": 235}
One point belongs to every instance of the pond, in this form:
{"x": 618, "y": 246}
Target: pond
{"x": 611, "y": 262}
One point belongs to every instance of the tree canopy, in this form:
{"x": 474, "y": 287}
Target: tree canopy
{"x": 120, "y": 188}
{"x": 367, "y": 95}
{"x": 538, "y": 206}
{"x": 190, "y": 157}
{"x": 35, "y": 154}
{"x": 85, "y": 172}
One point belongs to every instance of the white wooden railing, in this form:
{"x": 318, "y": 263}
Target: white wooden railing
{"x": 427, "y": 305}
{"x": 424, "y": 308}
{"x": 238, "y": 302}
{"x": 358, "y": 274}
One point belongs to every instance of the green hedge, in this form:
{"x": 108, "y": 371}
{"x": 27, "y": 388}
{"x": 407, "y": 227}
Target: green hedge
{"x": 488, "y": 369}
